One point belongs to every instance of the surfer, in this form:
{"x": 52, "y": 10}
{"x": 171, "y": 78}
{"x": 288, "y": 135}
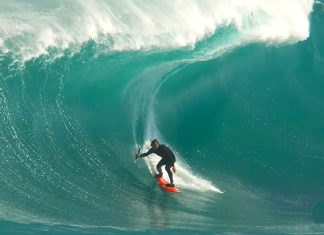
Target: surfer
{"x": 168, "y": 159}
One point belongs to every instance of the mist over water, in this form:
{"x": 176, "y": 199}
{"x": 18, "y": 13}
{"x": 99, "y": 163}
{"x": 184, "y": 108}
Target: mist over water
{"x": 235, "y": 88}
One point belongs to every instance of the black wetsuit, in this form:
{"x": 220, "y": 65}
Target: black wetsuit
{"x": 168, "y": 158}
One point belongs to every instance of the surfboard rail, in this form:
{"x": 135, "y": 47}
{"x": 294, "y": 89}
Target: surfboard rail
{"x": 162, "y": 182}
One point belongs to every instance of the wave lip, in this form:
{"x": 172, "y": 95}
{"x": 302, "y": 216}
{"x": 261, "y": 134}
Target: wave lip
{"x": 29, "y": 30}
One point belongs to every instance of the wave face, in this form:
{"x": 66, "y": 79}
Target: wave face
{"x": 235, "y": 88}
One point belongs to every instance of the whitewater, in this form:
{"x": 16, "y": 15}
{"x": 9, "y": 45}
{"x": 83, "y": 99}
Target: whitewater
{"x": 233, "y": 87}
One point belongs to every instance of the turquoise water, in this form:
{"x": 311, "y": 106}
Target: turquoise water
{"x": 235, "y": 89}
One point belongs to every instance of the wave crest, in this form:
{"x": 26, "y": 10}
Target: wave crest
{"x": 29, "y": 30}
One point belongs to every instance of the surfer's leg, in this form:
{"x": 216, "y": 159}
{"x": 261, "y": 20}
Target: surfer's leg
{"x": 159, "y": 168}
{"x": 167, "y": 168}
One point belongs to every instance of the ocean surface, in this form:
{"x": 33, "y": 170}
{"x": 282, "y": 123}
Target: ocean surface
{"x": 235, "y": 88}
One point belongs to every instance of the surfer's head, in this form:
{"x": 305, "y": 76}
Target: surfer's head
{"x": 155, "y": 144}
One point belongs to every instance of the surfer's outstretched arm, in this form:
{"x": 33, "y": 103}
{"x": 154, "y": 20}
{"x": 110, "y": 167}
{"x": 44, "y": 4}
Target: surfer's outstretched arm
{"x": 144, "y": 154}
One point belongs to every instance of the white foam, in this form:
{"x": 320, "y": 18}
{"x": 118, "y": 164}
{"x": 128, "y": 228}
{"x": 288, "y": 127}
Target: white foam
{"x": 184, "y": 177}
{"x": 30, "y": 29}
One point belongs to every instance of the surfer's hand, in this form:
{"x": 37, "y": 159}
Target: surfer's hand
{"x": 138, "y": 155}
{"x": 173, "y": 169}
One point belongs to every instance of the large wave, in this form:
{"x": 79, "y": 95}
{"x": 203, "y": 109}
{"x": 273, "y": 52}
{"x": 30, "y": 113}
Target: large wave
{"x": 80, "y": 91}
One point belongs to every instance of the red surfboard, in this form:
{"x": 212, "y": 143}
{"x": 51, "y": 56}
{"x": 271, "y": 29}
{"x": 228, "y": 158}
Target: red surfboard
{"x": 162, "y": 182}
